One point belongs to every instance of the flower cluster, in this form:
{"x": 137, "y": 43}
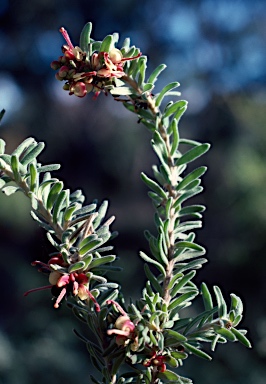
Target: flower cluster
{"x": 84, "y": 74}
{"x": 63, "y": 283}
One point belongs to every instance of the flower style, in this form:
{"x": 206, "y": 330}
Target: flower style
{"x": 85, "y": 74}
{"x": 63, "y": 283}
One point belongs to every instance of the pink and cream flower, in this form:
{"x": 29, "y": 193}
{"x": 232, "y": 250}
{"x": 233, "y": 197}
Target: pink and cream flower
{"x": 63, "y": 283}
{"x": 124, "y": 328}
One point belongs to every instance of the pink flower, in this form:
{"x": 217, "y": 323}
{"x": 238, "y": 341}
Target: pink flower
{"x": 64, "y": 283}
{"x": 124, "y": 328}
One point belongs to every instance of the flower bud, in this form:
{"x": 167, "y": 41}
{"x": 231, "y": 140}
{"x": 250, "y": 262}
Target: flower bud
{"x": 63, "y": 71}
{"x": 79, "y": 89}
{"x": 55, "y": 65}
{"x": 115, "y": 55}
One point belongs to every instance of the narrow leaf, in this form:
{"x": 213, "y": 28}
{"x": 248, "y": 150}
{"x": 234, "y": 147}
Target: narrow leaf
{"x": 153, "y": 77}
{"x": 152, "y": 261}
{"x": 198, "y": 172}
{"x": 226, "y": 333}
{"x": 33, "y": 154}
{"x": 84, "y": 40}
{"x": 176, "y": 335}
{"x": 153, "y": 185}
{"x": 107, "y": 43}
{"x": 102, "y": 260}
{"x": 58, "y": 205}
{"x": 193, "y": 154}
{"x": 164, "y": 91}
{"x": 79, "y": 265}
{"x": 197, "y": 351}
{"x": 240, "y": 337}
{"x": 222, "y": 308}
{"x": 89, "y": 246}
{"x": 53, "y": 194}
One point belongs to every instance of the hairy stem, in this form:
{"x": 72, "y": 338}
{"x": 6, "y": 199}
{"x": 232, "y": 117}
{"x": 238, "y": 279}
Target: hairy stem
{"x": 170, "y": 187}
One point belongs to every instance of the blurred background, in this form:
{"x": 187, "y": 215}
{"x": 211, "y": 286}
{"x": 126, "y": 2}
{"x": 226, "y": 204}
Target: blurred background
{"x": 217, "y": 51}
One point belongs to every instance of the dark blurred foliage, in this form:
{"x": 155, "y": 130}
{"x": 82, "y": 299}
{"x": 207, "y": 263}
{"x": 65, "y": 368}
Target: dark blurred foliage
{"x": 216, "y": 49}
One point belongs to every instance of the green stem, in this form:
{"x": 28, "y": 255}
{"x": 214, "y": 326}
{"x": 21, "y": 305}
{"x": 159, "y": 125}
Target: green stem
{"x": 170, "y": 187}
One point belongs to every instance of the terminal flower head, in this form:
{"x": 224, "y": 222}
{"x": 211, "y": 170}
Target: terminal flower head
{"x": 83, "y": 73}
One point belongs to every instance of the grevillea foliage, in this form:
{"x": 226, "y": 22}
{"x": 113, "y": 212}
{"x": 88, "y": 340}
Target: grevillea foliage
{"x": 146, "y": 341}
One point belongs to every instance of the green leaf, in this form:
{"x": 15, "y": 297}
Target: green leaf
{"x": 88, "y": 245}
{"x": 84, "y": 40}
{"x": 164, "y": 91}
{"x": 207, "y": 298}
{"x": 103, "y": 260}
{"x": 226, "y": 333}
{"x": 79, "y": 265}
{"x": 179, "y": 355}
{"x": 101, "y": 214}
{"x": 153, "y": 279}
{"x": 142, "y": 65}
{"x": 153, "y": 186}
{"x": 196, "y": 351}
{"x": 174, "y": 278}
{"x": 171, "y": 377}
{"x": 201, "y": 319}
{"x": 182, "y": 282}
{"x": 175, "y": 139}
{"x": 153, "y": 77}
{"x": 107, "y": 43}
{"x": 222, "y": 307}
{"x": 49, "y": 168}
{"x": 33, "y": 154}
{"x": 34, "y": 179}
{"x": 198, "y": 172}
{"x": 187, "y": 195}
{"x": 193, "y": 154}
{"x": 24, "y": 145}
{"x": 181, "y": 110}
{"x": 44, "y": 188}
{"x": 70, "y": 211}
{"x": 15, "y": 168}
{"x": 189, "y": 245}
{"x": 58, "y": 205}
{"x": 240, "y": 337}
{"x": 53, "y": 194}
{"x": 196, "y": 264}
{"x": 236, "y": 304}
{"x": 94, "y": 46}
{"x": 175, "y": 108}
{"x": 147, "y": 87}
{"x": 152, "y": 261}
{"x": 191, "y": 210}
{"x": 186, "y": 297}
{"x": 176, "y": 335}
